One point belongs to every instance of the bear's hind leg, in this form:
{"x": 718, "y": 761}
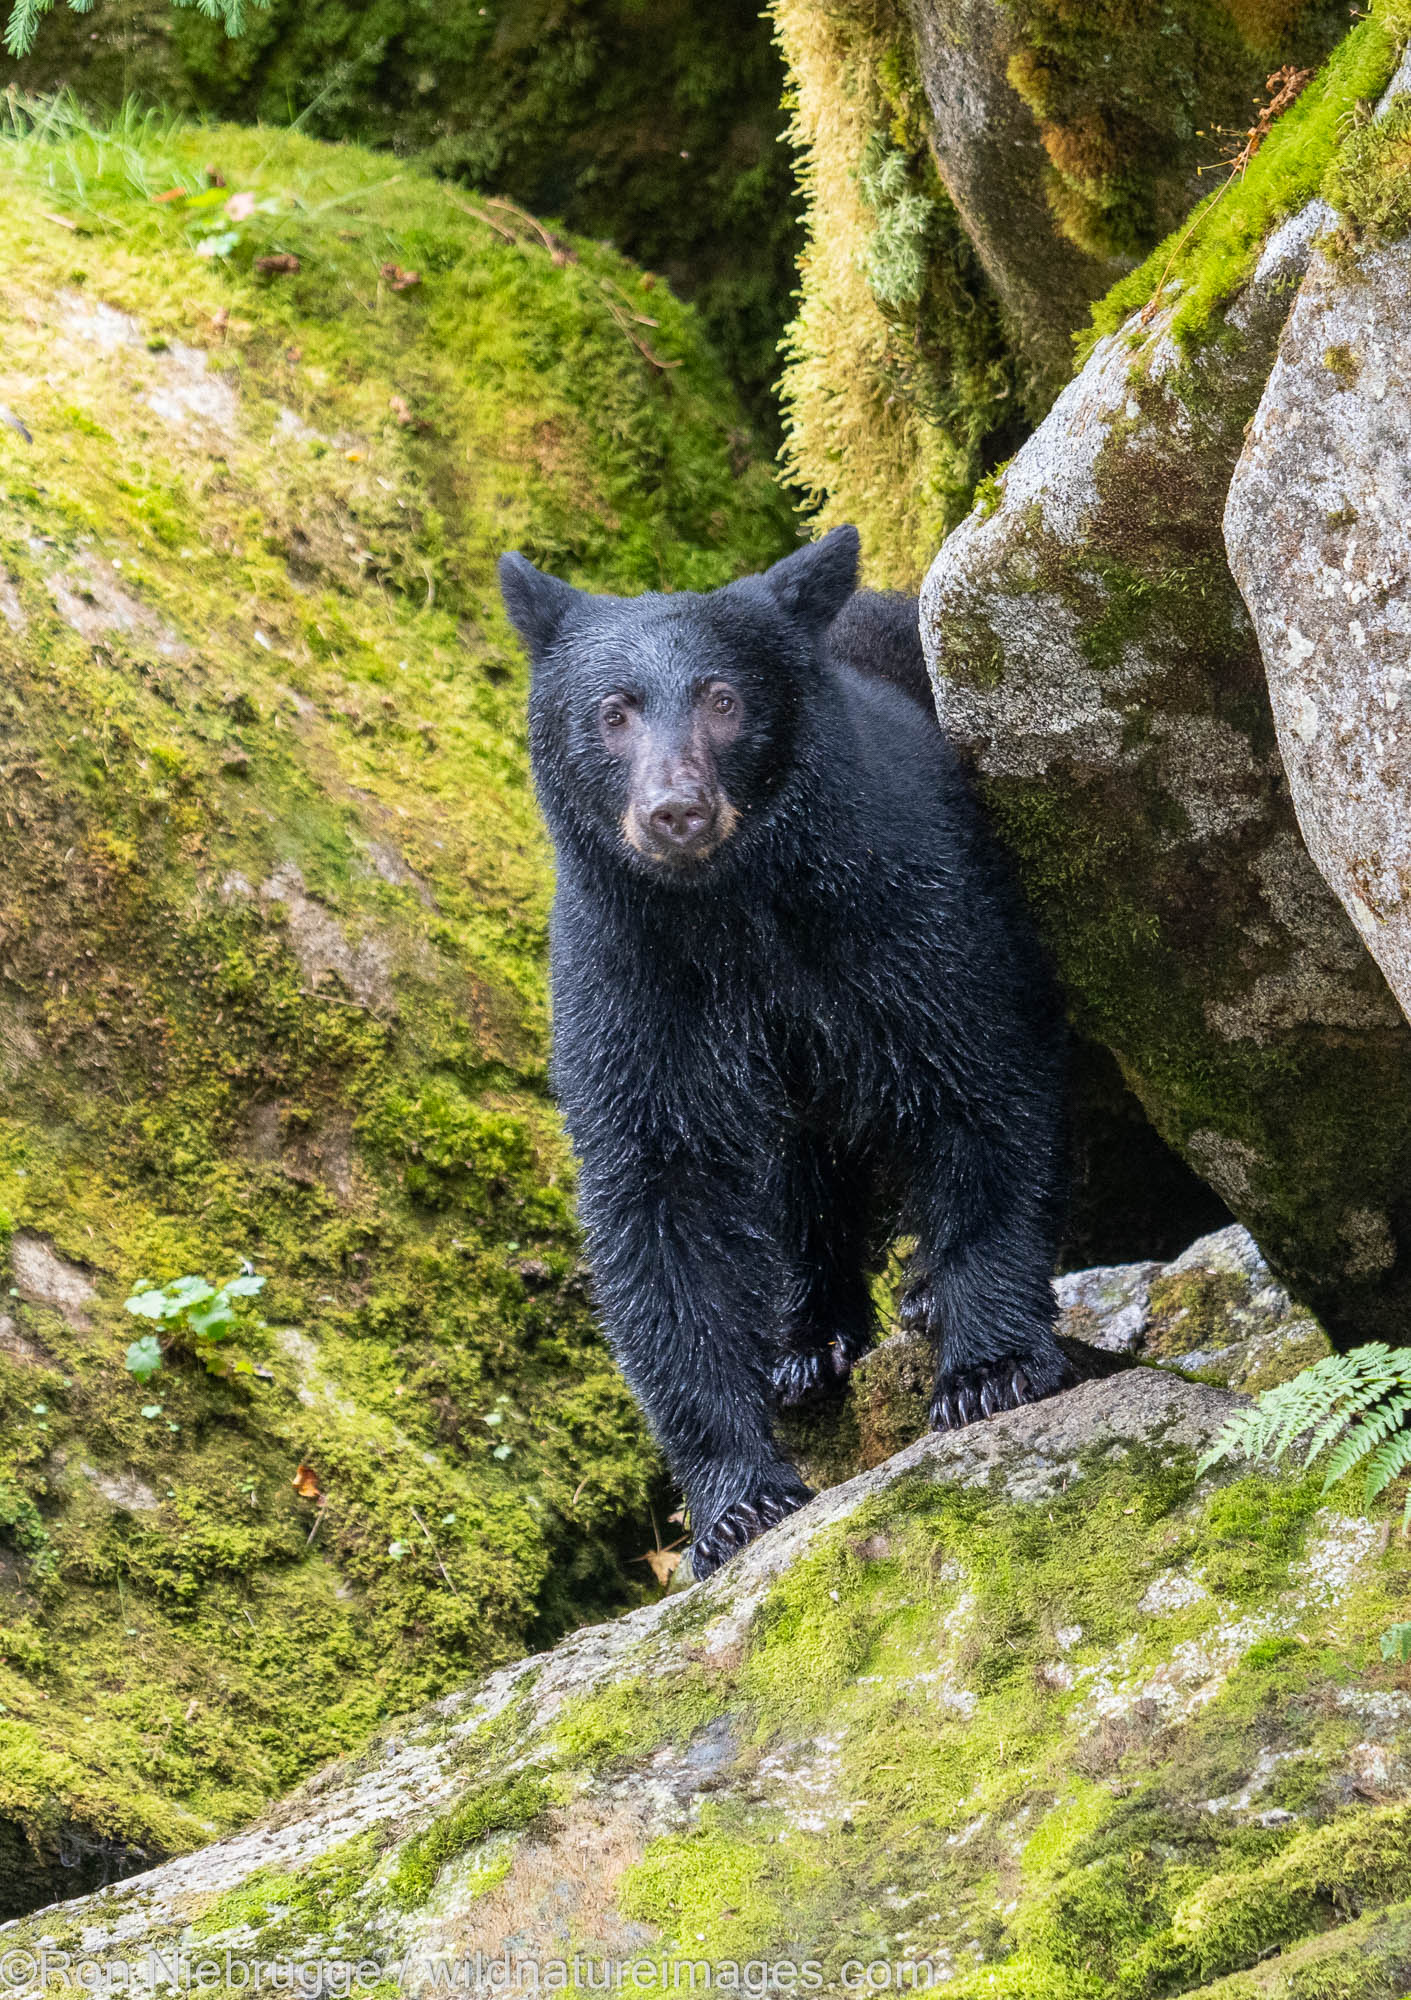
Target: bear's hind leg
{"x": 984, "y": 1291}
{"x": 830, "y": 1322}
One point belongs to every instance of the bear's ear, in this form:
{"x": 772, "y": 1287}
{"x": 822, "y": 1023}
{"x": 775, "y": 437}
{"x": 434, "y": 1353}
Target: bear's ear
{"x": 537, "y": 604}
{"x": 815, "y": 583}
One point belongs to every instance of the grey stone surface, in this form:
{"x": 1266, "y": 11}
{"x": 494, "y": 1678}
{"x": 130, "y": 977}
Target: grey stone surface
{"x": 1318, "y": 527}
{"x": 1094, "y": 658}
{"x": 1217, "y": 1310}
{"x": 991, "y": 157}
{"x": 42, "y": 1277}
{"x": 1107, "y": 1305}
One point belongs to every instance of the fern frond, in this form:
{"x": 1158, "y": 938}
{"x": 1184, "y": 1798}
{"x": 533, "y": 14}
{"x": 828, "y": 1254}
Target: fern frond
{"x": 23, "y": 25}
{"x": 1330, "y": 1428}
{"x": 1387, "y": 1464}
{"x": 25, "y": 16}
{"x": 1372, "y": 1428}
{"x": 1356, "y": 1406}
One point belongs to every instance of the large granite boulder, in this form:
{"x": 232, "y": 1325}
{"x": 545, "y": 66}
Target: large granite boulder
{"x": 1318, "y": 526}
{"x": 1030, "y": 1710}
{"x": 1094, "y": 656}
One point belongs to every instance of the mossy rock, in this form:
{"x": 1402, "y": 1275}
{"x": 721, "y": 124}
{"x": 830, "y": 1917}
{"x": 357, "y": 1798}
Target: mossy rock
{"x": 1095, "y": 657}
{"x": 1032, "y": 1711}
{"x": 1215, "y": 1313}
{"x": 977, "y": 174}
{"x": 273, "y": 894}
{"x": 657, "y": 128}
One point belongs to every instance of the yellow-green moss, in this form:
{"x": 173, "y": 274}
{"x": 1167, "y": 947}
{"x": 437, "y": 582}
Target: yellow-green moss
{"x": 1130, "y": 101}
{"x": 298, "y": 729}
{"x": 719, "y": 1895}
{"x": 525, "y": 99}
{"x": 1370, "y": 186}
{"x": 496, "y": 1809}
{"x": 899, "y": 388}
{"x": 1203, "y": 262}
{"x": 290, "y": 1907}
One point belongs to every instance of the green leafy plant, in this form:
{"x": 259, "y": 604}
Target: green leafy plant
{"x": 207, "y": 1314}
{"x": 1396, "y": 1643}
{"x": 1352, "y": 1405}
{"x": 144, "y": 1357}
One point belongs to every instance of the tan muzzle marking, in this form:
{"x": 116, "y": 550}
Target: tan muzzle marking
{"x": 727, "y": 820}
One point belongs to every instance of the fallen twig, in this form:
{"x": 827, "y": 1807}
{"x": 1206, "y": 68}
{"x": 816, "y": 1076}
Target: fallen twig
{"x": 436, "y": 1552}
{"x": 500, "y": 228}
{"x": 561, "y": 252}
{"x": 1285, "y": 86}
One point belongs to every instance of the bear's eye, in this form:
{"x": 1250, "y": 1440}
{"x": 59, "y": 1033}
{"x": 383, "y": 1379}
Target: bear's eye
{"x": 614, "y": 715}
{"x": 722, "y": 701}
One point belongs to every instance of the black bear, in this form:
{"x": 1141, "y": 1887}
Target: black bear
{"x": 797, "y": 1011}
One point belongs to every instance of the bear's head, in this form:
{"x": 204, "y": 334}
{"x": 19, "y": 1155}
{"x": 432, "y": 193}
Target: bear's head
{"x": 668, "y": 727}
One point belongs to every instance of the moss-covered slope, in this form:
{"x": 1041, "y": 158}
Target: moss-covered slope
{"x": 657, "y": 127}
{"x": 272, "y": 903}
{"x": 1029, "y": 1712}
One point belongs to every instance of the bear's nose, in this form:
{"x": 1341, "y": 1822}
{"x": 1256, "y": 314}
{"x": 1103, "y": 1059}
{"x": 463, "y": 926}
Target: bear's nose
{"x": 680, "y": 819}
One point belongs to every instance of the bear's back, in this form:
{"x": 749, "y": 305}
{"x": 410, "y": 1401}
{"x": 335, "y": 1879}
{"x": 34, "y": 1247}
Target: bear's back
{"x": 877, "y": 635}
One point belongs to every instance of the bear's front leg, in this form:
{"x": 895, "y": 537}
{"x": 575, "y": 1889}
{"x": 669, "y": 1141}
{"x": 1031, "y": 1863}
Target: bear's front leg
{"x": 984, "y": 1292}
{"x": 690, "y": 1313}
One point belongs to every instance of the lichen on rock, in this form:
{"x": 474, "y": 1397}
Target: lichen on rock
{"x": 1316, "y": 526}
{"x": 1093, "y": 654}
{"x": 1027, "y": 1710}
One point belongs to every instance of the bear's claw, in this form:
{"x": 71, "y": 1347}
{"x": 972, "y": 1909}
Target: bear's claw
{"x": 740, "y": 1524}
{"x": 803, "y": 1377}
{"x": 965, "y": 1395}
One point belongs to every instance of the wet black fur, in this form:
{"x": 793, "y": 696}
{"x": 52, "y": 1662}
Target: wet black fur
{"x": 837, "y": 1030}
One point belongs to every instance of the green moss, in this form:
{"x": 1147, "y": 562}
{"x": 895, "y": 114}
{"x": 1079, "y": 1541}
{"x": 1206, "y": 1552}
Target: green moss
{"x": 1206, "y": 260}
{"x": 1323, "y": 1875}
{"x": 937, "y": 1648}
{"x": 716, "y": 1894}
{"x": 539, "y": 103}
{"x": 288, "y": 1910}
{"x": 1092, "y": 1746}
{"x": 1191, "y": 1310}
{"x": 273, "y": 894}
{"x": 1370, "y": 186}
{"x": 1369, "y": 1959}
{"x": 635, "y": 1717}
{"x": 1255, "y": 1525}
{"x": 900, "y": 388}
{"x": 1129, "y": 101}
{"x": 503, "y": 1808}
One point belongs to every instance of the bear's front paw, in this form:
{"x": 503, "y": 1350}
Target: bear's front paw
{"x": 965, "y": 1395}
{"x": 815, "y": 1374}
{"x": 742, "y": 1521}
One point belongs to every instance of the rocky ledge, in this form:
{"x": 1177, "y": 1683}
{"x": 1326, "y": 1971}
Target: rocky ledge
{"x": 1032, "y": 1709}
